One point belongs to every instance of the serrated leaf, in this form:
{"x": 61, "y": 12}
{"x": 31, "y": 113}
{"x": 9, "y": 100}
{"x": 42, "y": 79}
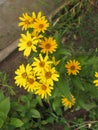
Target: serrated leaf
{"x": 16, "y": 122}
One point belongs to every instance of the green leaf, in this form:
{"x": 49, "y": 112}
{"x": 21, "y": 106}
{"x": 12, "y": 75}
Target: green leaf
{"x": 4, "y": 108}
{"x": 63, "y": 51}
{"x": 78, "y": 83}
{"x": 50, "y": 119}
{"x": 2, "y": 115}
{"x": 56, "y": 103}
{"x": 23, "y": 98}
{"x": 61, "y": 66}
{"x": 2, "y": 118}
{"x": 86, "y": 106}
{"x": 39, "y": 100}
{"x": 5, "y": 105}
{"x": 63, "y": 86}
{"x": 35, "y": 113}
{"x": 92, "y": 90}
{"x": 66, "y": 127}
{"x": 3, "y": 77}
{"x": 43, "y": 122}
{"x": 58, "y": 38}
{"x": 1, "y": 96}
{"x": 1, "y": 123}
{"x": 16, "y": 122}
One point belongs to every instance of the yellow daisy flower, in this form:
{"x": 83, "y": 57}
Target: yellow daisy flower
{"x": 44, "y": 90}
{"x": 21, "y": 75}
{"x": 96, "y": 81}
{"x": 49, "y": 76}
{"x": 73, "y": 67}
{"x": 39, "y": 16}
{"x": 37, "y": 35}
{"x": 96, "y": 74}
{"x": 48, "y": 45}
{"x": 41, "y": 25}
{"x": 40, "y": 64}
{"x": 55, "y": 62}
{"x": 31, "y": 83}
{"x": 25, "y": 21}
{"x": 67, "y": 103}
{"x": 27, "y": 43}
{"x": 35, "y": 17}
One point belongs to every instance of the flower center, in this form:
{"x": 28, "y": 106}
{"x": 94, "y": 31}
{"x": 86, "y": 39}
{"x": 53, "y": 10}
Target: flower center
{"x": 47, "y": 46}
{"x": 33, "y": 20}
{"x": 31, "y": 80}
{"x": 48, "y": 75}
{"x": 41, "y": 26}
{"x": 72, "y": 67}
{"x": 27, "y": 22}
{"x": 43, "y": 87}
{"x": 29, "y": 43}
{"x": 42, "y": 64}
{"x": 24, "y": 75}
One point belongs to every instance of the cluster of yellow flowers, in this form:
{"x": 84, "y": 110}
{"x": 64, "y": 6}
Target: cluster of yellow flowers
{"x": 34, "y": 39}
{"x": 96, "y": 80}
{"x": 39, "y": 77}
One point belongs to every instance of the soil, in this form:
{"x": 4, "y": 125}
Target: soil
{"x": 11, "y": 10}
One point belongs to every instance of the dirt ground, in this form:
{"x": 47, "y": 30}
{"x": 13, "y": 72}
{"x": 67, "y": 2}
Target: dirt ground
{"x": 11, "y": 63}
{"x": 10, "y": 10}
